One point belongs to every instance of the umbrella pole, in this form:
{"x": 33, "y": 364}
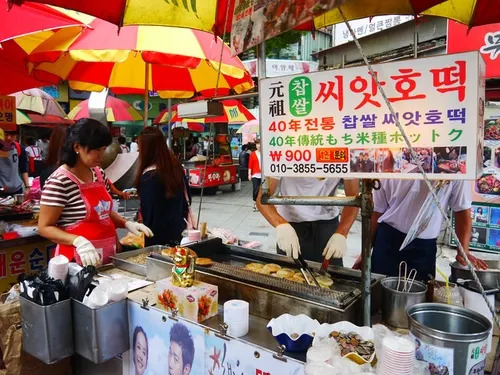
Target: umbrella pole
{"x": 169, "y": 119}
{"x": 146, "y": 95}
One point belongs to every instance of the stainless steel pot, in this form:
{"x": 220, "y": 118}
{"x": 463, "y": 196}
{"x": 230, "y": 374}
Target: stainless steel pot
{"x": 395, "y": 303}
{"x": 445, "y": 326}
{"x": 489, "y": 277}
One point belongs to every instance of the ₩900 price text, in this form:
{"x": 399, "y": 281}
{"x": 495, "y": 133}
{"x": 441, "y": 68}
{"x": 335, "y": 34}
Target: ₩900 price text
{"x": 309, "y": 168}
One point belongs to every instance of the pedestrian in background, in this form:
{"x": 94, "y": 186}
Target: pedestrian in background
{"x": 34, "y": 157}
{"x": 244, "y": 159}
{"x": 133, "y": 145}
{"x": 51, "y": 162}
{"x": 122, "y": 141}
{"x": 163, "y": 189}
{"x": 254, "y": 172}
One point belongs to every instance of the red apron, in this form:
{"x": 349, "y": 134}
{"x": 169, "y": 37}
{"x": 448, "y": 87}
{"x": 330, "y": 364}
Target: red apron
{"x": 97, "y": 227}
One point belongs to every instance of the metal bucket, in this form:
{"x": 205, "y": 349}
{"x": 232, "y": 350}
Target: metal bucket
{"x": 395, "y": 303}
{"x": 455, "y": 335}
{"x": 47, "y": 330}
{"x": 100, "y": 334}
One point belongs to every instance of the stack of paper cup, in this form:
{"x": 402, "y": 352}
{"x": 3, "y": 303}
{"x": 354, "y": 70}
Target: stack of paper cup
{"x": 58, "y": 268}
{"x": 397, "y": 356}
{"x": 236, "y": 316}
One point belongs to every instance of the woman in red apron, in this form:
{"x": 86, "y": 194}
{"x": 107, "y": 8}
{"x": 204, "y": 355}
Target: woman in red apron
{"x": 76, "y": 207}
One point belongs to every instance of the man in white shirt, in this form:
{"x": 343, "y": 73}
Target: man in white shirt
{"x": 314, "y": 231}
{"x": 134, "y": 147}
{"x": 396, "y": 205}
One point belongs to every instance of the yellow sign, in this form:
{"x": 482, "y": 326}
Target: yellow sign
{"x": 8, "y": 111}
{"x": 28, "y": 258}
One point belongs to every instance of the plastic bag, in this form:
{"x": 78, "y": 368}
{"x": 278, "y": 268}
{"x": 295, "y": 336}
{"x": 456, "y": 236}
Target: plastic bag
{"x": 13, "y": 294}
{"x": 78, "y": 283}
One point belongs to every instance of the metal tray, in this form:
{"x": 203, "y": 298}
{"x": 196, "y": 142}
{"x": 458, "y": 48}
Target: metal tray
{"x": 120, "y": 260}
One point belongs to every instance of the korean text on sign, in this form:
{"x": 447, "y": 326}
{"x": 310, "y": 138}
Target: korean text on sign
{"x": 337, "y": 122}
{"x": 7, "y": 110}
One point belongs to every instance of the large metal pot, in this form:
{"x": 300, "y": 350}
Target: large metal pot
{"x": 489, "y": 277}
{"x": 395, "y": 303}
{"x": 455, "y": 335}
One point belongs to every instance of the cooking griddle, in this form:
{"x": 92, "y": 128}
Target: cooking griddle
{"x": 229, "y": 263}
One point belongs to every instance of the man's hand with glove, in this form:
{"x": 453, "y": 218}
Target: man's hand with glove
{"x": 138, "y": 228}
{"x": 336, "y": 246}
{"x": 87, "y": 252}
{"x": 287, "y": 240}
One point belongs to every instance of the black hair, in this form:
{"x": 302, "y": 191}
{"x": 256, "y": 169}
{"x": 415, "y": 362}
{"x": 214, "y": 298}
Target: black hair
{"x": 134, "y": 138}
{"x": 138, "y": 330}
{"x": 479, "y": 208}
{"x": 196, "y": 139}
{"x": 121, "y": 140}
{"x": 88, "y": 133}
{"x": 181, "y": 335}
{"x": 244, "y": 147}
{"x": 30, "y": 141}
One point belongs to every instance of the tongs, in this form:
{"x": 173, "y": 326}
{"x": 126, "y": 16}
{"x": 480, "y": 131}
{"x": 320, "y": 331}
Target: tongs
{"x": 405, "y": 277}
{"x": 306, "y": 271}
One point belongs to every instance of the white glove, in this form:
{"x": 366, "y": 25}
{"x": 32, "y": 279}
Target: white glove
{"x": 138, "y": 228}
{"x": 336, "y": 247}
{"x": 287, "y": 240}
{"x": 87, "y": 252}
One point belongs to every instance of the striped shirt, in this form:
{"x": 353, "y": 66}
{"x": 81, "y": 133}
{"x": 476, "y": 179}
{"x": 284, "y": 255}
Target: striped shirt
{"x": 60, "y": 191}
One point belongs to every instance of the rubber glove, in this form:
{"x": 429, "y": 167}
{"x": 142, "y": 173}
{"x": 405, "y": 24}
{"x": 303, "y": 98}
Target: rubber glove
{"x": 336, "y": 246}
{"x": 87, "y": 252}
{"x": 287, "y": 240}
{"x": 138, "y": 228}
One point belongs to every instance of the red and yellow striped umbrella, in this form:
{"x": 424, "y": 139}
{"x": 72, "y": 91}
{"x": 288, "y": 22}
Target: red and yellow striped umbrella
{"x": 175, "y": 62}
{"x": 116, "y": 110}
{"x": 234, "y": 113}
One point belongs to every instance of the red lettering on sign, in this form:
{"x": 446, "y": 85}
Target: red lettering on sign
{"x": 359, "y": 85}
{"x": 17, "y": 262}
{"x": 331, "y": 89}
{"x": 451, "y": 78}
{"x": 405, "y": 85}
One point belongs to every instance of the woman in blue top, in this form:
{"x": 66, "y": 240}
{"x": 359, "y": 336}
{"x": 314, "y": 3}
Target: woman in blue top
{"x": 162, "y": 188}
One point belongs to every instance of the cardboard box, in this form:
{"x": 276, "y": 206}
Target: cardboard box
{"x": 197, "y": 303}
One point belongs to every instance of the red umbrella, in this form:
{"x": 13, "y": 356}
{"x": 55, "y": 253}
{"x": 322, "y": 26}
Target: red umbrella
{"x": 23, "y": 28}
{"x": 31, "y": 19}
{"x": 15, "y": 76}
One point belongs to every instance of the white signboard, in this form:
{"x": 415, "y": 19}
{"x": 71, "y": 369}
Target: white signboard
{"x": 365, "y": 27}
{"x": 277, "y": 68}
{"x": 336, "y": 123}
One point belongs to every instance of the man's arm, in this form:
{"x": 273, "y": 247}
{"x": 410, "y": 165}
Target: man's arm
{"x": 349, "y": 214}
{"x": 269, "y": 211}
{"x": 463, "y": 227}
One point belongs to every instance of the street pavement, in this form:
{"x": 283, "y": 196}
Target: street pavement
{"x": 233, "y": 211}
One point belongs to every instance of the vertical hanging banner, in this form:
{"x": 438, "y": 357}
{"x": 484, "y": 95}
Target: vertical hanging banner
{"x": 255, "y": 21}
{"x": 336, "y": 123}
